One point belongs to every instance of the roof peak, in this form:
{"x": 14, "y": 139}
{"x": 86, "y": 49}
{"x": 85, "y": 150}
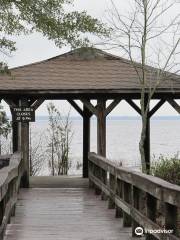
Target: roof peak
{"x": 89, "y": 53}
{"x": 83, "y": 53}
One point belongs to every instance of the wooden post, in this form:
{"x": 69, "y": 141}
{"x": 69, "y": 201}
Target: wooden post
{"x": 1, "y": 211}
{"x": 171, "y": 218}
{"x": 119, "y": 212}
{"x": 15, "y": 134}
{"x": 104, "y": 180}
{"x": 101, "y": 127}
{"x": 151, "y": 209}
{"x": 86, "y": 140}
{"x": 15, "y": 130}
{"x": 147, "y": 139}
{"x": 112, "y": 185}
{"x": 97, "y": 174}
{"x": 127, "y": 220}
{"x": 25, "y": 148}
{"x": 135, "y": 203}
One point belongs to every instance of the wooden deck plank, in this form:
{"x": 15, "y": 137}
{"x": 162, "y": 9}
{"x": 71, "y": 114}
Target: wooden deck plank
{"x": 64, "y": 214}
{"x": 58, "y": 182}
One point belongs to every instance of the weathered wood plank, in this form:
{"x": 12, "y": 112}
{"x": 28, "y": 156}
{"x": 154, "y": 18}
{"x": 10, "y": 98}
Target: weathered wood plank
{"x": 138, "y": 197}
{"x": 58, "y": 182}
{"x": 64, "y": 214}
{"x": 9, "y": 185}
{"x": 157, "y": 187}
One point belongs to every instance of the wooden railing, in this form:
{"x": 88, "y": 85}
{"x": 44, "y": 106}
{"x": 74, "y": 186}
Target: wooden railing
{"x": 10, "y": 178}
{"x": 4, "y": 160}
{"x": 144, "y": 202}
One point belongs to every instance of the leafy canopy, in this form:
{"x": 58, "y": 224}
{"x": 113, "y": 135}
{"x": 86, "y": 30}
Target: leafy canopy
{"x": 48, "y": 17}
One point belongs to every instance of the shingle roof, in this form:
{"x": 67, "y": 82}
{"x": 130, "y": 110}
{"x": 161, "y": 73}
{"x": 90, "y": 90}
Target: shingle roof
{"x": 90, "y": 69}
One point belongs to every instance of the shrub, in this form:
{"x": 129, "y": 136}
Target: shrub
{"x": 167, "y": 168}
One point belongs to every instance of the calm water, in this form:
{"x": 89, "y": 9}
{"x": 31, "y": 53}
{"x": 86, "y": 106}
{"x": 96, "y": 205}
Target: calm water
{"x": 122, "y": 140}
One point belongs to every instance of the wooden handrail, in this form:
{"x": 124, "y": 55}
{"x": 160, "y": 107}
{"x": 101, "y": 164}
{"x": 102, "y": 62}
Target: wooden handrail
{"x": 10, "y": 178}
{"x": 141, "y": 199}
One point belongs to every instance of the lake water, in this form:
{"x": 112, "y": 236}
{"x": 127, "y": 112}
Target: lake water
{"x": 122, "y": 140}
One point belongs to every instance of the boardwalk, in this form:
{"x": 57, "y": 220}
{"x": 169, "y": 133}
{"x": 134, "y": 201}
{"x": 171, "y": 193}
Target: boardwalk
{"x": 64, "y": 214}
{"x": 64, "y": 208}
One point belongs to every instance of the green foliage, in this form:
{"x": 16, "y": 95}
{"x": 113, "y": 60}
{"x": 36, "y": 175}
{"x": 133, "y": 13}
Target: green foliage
{"x": 167, "y": 168}
{"x": 48, "y": 17}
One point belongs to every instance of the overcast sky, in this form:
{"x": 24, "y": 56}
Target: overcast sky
{"x": 36, "y": 48}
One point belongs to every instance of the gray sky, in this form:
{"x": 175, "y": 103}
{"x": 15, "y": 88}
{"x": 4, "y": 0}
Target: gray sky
{"x": 36, "y": 48}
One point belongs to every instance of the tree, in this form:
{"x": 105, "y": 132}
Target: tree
{"x": 36, "y": 153}
{"x": 48, "y": 17}
{"x": 5, "y": 126}
{"x": 60, "y": 136}
{"x": 145, "y": 36}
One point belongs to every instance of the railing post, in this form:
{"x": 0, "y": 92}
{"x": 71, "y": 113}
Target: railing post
{"x": 90, "y": 172}
{"x": 112, "y": 186}
{"x": 13, "y": 194}
{"x": 151, "y": 207}
{"x": 135, "y": 203}
{"x": 119, "y": 212}
{"x": 97, "y": 174}
{"x": 171, "y": 218}
{"x": 1, "y": 211}
{"x": 127, "y": 198}
{"x": 104, "y": 181}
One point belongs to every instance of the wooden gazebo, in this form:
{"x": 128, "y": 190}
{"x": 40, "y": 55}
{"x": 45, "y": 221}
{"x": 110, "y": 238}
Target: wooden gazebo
{"x": 82, "y": 74}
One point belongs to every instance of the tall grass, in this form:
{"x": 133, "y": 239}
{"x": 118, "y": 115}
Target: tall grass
{"x": 167, "y": 168}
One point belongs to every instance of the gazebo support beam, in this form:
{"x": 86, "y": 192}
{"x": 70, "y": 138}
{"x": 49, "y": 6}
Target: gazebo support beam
{"x": 89, "y": 106}
{"x": 134, "y": 106}
{"x": 101, "y": 127}
{"x": 37, "y": 103}
{"x": 156, "y": 107}
{"x": 15, "y": 126}
{"x": 174, "y": 104}
{"x": 25, "y": 147}
{"x": 76, "y": 107}
{"x": 15, "y": 136}
{"x": 112, "y": 106}
{"x": 101, "y": 112}
{"x": 86, "y": 139}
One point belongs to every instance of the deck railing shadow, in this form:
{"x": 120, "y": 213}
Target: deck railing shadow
{"x": 10, "y": 178}
{"x": 146, "y": 203}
